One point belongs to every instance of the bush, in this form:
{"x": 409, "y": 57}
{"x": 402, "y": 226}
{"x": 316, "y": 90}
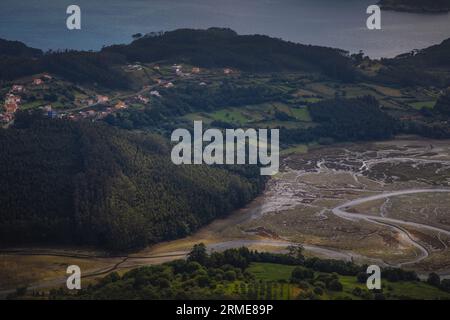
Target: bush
{"x": 357, "y": 292}
{"x": 361, "y": 277}
{"x": 379, "y": 296}
{"x": 230, "y": 275}
{"x": 445, "y": 285}
{"x": 318, "y": 291}
{"x": 307, "y": 295}
{"x": 203, "y": 281}
{"x": 434, "y": 279}
{"x": 301, "y": 273}
{"x": 335, "y": 285}
{"x": 320, "y": 284}
{"x": 303, "y": 285}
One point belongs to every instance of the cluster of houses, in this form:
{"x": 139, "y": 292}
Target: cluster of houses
{"x": 11, "y": 104}
{"x": 178, "y": 69}
{"x": 101, "y": 104}
{"x": 13, "y": 98}
{"x": 134, "y": 67}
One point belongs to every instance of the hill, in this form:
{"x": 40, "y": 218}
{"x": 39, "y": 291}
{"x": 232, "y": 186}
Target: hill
{"x": 217, "y": 47}
{"x": 428, "y": 67}
{"x": 207, "y": 48}
{"x": 17, "y": 49}
{"x": 420, "y": 6}
{"x": 90, "y": 184}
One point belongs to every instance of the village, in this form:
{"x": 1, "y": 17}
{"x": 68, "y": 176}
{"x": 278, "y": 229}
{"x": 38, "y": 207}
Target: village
{"x": 39, "y": 93}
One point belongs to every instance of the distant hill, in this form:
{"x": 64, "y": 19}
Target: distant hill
{"x": 90, "y": 184}
{"x": 430, "y": 66}
{"x": 17, "y": 60}
{"x": 419, "y": 6}
{"x": 206, "y": 48}
{"x": 18, "y": 49}
{"x": 216, "y": 47}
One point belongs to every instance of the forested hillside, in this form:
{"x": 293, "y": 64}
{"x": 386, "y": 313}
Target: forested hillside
{"x": 216, "y": 47}
{"x": 18, "y": 49}
{"x": 83, "y": 183}
{"x": 207, "y": 48}
{"x": 429, "y": 67}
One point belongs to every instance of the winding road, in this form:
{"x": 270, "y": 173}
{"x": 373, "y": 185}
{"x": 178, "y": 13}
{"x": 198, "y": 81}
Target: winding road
{"x": 341, "y": 212}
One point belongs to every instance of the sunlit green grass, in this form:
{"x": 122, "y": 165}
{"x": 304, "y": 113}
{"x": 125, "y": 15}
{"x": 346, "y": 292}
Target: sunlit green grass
{"x": 423, "y": 104}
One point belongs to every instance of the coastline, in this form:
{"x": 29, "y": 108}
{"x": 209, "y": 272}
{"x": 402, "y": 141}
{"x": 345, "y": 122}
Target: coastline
{"x": 411, "y": 9}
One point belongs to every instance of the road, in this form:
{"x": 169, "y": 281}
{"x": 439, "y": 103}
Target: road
{"x": 396, "y": 224}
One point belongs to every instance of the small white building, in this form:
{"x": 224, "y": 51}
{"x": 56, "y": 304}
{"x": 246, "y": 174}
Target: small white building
{"x": 155, "y": 93}
{"x": 17, "y": 88}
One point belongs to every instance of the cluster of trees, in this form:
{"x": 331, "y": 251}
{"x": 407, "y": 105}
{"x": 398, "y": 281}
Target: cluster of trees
{"x": 344, "y": 120}
{"x": 435, "y": 280}
{"x": 353, "y": 119}
{"x": 434, "y": 129}
{"x": 84, "y": 183}
{"x": 443, "y": 105}
{"x": 433, "y": 123}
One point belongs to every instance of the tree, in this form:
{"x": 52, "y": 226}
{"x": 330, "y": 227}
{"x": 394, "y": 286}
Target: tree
{"x": 335, "y": 285}
{"x": 301, "y": 273}
{"x": 434, "y": 279}
{"x": 445, "y": 285}
{"x": 198, "y": 254}
{"x": 362, "y": 277}
{"x": 296, "y": 251}
{"x": 443, "y": 104}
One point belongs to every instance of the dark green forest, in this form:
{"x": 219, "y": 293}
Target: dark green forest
{"x": 428, "y": 67}
{"x": 91, "y": 184}
{"x": 358, "y": 119}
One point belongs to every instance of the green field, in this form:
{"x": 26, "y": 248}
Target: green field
{"x": 423, "y": 104}
{"x": 271, "y": 272}
{"x": 261, "y": 115}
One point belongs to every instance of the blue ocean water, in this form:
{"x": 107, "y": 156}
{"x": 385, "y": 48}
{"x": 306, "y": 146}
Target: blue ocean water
{"x": 41, "y": 23}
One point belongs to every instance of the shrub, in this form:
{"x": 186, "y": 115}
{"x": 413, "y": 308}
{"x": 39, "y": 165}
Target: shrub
{"x": 301, "y": 273}
{"x": 335, "y": 285}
